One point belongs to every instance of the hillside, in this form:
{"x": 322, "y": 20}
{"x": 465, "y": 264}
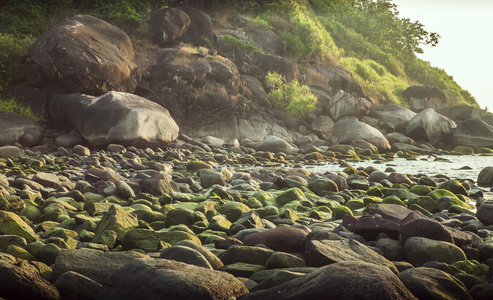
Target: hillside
{"x": 368, "y": 38}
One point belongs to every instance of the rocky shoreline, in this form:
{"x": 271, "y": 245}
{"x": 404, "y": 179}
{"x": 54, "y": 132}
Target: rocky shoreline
{"x": 190, "y": 222}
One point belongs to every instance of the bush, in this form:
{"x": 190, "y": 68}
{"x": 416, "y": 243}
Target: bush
{"x": 237, "y": 44}
{"x": 12, "y": 51}
{"x": 257, "y": 24}
{"x": 9, "y": 104}
{"x": 294, "y": 99}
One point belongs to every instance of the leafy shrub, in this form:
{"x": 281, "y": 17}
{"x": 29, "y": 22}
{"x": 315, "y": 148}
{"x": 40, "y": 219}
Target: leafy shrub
{"x": 237, "y": 44}
{"x": 257, "y": 24}
{"x": 12, "y": 51}
{"x": 294, "y": 99}
{"x": 9, "y": 104}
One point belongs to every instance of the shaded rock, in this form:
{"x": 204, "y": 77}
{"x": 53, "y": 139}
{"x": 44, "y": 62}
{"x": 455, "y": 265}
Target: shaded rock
{"x": 392, "y": 212}
{"x": 17, "y": 283}
{"x": 485, "y": 177}
{"x": 428, "y": 228}
{"x": 15, "y": 128}
{"x": 397, "y": 115}
{"x": 169, "y": 24}
{"x": 161, "y": 278}
{"x": 273, "y": 63}
{"x": 392, "y": 249}
{"x": 200, "y": 31}
{"x": 485, "y": 213}
{"x": 370, "y": 227}
{"x": 246, "y": 254}
{"x": 482, "y": 291}
{"x": 340, "y": 79}
{"x": 325, "y": 252}
{"x": 472, "y": 132}
{"x": 420, "y": 250}
{"x": 429, "y": 283}
{"x": 430, "y": 126}
{"x": 214, "y": 261}
{"x": 209, "y": 178}
{"x": 280, "y": 260}
{"x": 286, "y": 239}
{"x": 344, "y": 104}
{"x": 332, "y": 282}
{"x": 267, "y": 40}
{"x": 323, "y": 126}
{"x": 96, "y": 265}
{"x": 421, "y": 97}
{"x": 86, "y": 55}
{"x": 151, "y": 241}
{"x": 73, "y": 284}
{"x": 349, "y": 128}
{"x": 115, "y": 117}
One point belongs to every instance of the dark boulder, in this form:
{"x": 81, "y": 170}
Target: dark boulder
{"x": 169, "y": 24}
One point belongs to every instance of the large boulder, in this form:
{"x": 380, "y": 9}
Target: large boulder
{"x": 430, "y": 126}
{"x": 15, "y": 128}
{"x": 345, "y": 280}
{"x": 151, "y": 278}
{"x": 115, "y": 117}
{"x": 274, "y": 144}
{"x": 267, "y": 40}
{"x": 86, "y": 55}
{"x": 340, "y": 79}
{"x": 397, "y": 115}
{"x": 485, "y": 177}
{"x": 344, "y": 104}
{"x": 200, "y": 31}
{"x": 274, "y": 63}
{"x": 19, "y": 283}
{"x": 169, "y": 24}
{"x": 419, "y": 250}
{"x": 462, "y": 112}
{"x": 350, "y": 128}
{"x": 472, "y": 132}
{"x": 423, "y": 96}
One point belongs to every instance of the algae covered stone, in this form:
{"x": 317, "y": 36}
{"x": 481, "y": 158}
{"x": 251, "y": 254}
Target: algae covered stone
{"x": 118, "y": 220}
{"x": 10, "y": 223}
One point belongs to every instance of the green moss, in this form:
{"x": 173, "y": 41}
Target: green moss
{"x": 237, "y": 44}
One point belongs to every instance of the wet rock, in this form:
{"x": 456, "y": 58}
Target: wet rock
{"x": 485, "y": 213}
{"x": 383, "y": 284}
{"x": 420, "y": 250}
{"x": 157, "y": 278}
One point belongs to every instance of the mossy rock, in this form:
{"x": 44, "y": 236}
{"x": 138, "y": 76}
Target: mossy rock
{"x": 19, "y": 252}
{"x": 473, "y": 267}
{"x": 439, "y": 193}
{"x": 289, "y": 195}
{"x": 288, "y": 213}
{"x": 219, "y": 223}
{"x": 340, "y": 211}
{"x": 350, "y": 170}
{"x": 420, "y": 209}
{"x": 454, "y": 186}
{"x": 265, "y": 198}
{"x": 355, "y": 204}
{"x": 233, "y": 210}
{"x": 401, "y": 193}
{"x": 242, "y": 269}
{"x": 369, "y": 200}
{"x": 268, "y": 211}
{"x": 196, "y": 165}
{"x": 463, "y": 150}
{"x": 425, "y": 202}
{"x": 421, "y": 190}
{"x": 393, "y": 200}
{"x": 179, "y": 216}
{"x": 485, "y": 150}
{"x": 444, "y": 203}
{"x": 253, "y": 203}
{"x": 375, "y": 191}
{"x": 11, "y": 223}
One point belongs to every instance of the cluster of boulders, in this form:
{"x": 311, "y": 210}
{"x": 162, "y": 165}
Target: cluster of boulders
{"x": 208, "y": 86}
{"x": 201, "y": 221}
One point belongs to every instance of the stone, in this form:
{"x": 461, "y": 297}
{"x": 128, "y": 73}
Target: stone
{"x": 209, "y": 178}
{"x": 280, "y": 260}
{"x": 344, "y": 104}
{"x": 213, "y": 260}
{"x": 158, "y": 185}
{"x": 274, "y": 63}
{"x": 10, "y": 151}
{"x": 274, "y": 144}
{"x": 428, "y": 228}
{"x": 285, "y": 239}
{"x": 115, "y": 117}
{"x": 370, "y": 227}
{"x": 12, "y": 224}
{"x": 246, "y": 254}
{"x": 429, "y": 283}
{"x": 50, "y": 180}
{"x": 485, "y": 177}
{"x": 325, "y": 252}
{"x": 420, "y": 250}
{"x": 233, "y": 210}
{"x": 462, "y": 112}
{"x": 150, "y": 241}
{"x": 345, "y": 280}
{"x": 322, "y": 185}
{"x": 395, "y": 114}
{"x": 17, "y": 283}
{"x": 348, "y": 129}
{"x": 118, "y": 220}
{"x": 200, "y": 32}
{"x": 421, "y": 97}
{"x": 71, "y": 284}
{"x": 15, "y": 128}
{"x": 485, "y": 213}
{"x": 86, "y": 55}
{"x": 391, "y": 212}
{"x": 249, "y": 219}
{"x": 94, "y": 264}
{"x": 392, "y": 249}
{"x": 323, "y": 126}
{"x": 186, "y": 255}
{"x": 161, "y": 278}
{"x": 429, "y": 126}
{"x": 169, "y": 24}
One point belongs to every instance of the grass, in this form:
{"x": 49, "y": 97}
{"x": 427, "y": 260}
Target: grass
{"x": 237, "y": 44}
{"x": 9, "y": 104}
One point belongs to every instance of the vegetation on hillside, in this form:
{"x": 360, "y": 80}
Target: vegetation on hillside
{"x": 366, "y": 36}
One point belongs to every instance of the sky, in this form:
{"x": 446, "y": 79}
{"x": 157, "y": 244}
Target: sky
{"x": 465, "y": 49}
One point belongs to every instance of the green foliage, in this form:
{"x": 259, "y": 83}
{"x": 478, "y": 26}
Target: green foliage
{"x": 258, "y": 24}
{"x": 294, "y": 99}
{"x": 9, "y": 104}
{"x": 12, "y": 51}
{"x": 376, "y": 81}
{"x": 237, "y": 44}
